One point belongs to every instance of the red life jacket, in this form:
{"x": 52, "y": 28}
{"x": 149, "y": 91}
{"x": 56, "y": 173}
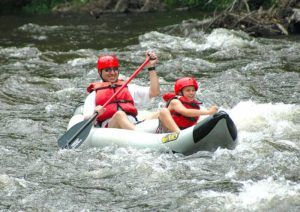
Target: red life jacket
{"x": 184, "y": 122}
{"x": 123, "y": 101}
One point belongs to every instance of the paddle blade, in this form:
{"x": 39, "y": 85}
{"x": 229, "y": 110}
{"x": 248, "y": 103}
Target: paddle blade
{"x": 76, "y": 135}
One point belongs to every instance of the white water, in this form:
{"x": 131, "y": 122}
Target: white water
{"x": 44, "y": 76}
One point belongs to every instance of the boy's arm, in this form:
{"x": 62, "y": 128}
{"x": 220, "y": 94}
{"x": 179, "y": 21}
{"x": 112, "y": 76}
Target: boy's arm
{"x": 176, "y": 105}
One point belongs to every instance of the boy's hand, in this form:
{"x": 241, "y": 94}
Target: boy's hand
{"x": 213, "y": 109}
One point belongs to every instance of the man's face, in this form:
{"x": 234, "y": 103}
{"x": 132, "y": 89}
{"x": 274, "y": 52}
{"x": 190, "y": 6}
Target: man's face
{"x": 109, "y": 74}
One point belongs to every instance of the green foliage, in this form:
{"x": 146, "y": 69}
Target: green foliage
{"x": 270, "y": 3}
{"x": 207, "y": 5}
{"x": 218, "y": 4}
{"x": 44, "y": 6}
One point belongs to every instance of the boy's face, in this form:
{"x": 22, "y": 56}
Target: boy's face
{"x": 189, "y": 92}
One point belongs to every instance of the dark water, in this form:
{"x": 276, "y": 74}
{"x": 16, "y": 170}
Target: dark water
{"x": 46, "y": 64}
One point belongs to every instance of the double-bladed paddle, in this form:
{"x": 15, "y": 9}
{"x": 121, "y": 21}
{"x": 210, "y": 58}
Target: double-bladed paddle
{"x": 77, "y": 134}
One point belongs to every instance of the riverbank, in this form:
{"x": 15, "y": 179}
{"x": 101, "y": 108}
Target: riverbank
{"x": 255, "y": 17}
{"x": 282, "y": 18}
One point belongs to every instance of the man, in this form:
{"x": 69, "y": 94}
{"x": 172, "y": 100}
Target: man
{"x": 120, "y": 112}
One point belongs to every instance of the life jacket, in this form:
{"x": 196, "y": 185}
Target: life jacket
{"x": 123, "y": 100}
{"x": 183, "y": 122}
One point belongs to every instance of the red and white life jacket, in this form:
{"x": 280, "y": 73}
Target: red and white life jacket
{"x": 184, "y": 122}
{"x": 123, "y": 100}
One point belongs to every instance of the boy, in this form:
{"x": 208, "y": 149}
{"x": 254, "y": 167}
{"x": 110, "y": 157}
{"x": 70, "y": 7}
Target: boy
{"x": 182, "y": 109}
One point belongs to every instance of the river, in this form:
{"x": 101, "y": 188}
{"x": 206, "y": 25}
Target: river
{"x": 46, "y": 63}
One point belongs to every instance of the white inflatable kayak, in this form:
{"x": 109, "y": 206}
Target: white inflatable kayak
{"x": 208, "y": 135}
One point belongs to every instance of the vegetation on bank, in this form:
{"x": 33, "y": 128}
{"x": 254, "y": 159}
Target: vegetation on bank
{"x": 45, "y": 6}
{"x": 211, "y": 5}
{"x": 205, "y": 5}
{"x": 36, "y": 6}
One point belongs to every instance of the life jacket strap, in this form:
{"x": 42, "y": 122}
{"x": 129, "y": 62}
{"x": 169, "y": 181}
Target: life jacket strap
{"x": 109, "y": 86}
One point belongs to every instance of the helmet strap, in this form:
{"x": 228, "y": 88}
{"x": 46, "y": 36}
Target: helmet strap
{"x": 100, "y": 74}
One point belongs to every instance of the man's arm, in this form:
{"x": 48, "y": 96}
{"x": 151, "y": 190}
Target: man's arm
{"x": 154, "y": 89}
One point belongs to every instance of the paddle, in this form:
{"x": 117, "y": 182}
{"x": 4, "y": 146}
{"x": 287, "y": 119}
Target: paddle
{"x": 77, "y": 134}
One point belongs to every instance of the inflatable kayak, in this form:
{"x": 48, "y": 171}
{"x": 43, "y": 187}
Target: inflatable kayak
{"x": 209, "y": 134}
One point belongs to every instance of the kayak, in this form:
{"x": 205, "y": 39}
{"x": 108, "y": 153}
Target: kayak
{"x": 209, "y": 134}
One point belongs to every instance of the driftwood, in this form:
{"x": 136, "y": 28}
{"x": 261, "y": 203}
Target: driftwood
{"x": 249, "y": 16}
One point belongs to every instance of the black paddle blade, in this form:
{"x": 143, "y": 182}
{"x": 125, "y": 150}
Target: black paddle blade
{"x": 76, "y": 135}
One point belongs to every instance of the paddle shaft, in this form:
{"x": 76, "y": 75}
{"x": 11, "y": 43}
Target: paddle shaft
{"x": 71, "y": 140}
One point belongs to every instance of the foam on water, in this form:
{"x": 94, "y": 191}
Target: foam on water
{"x": 20, "y": 53}
{"x": 218, "y": 39}
{"x": 35, "y": 28}
{"x": 252, "y": 116}
{"x": 256, "y": 195}
{"x": 223, "y": 39}
{"x": 270, "y": 122}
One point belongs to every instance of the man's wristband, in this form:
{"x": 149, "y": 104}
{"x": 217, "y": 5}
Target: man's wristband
{"x": 151, "y": 68}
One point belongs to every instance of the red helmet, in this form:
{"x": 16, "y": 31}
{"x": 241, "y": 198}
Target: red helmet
{"x": 107, "y": 61}
{"x": 184, "y": 82}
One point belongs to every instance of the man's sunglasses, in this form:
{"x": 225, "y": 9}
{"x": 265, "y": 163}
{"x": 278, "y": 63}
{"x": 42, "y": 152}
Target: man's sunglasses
{"x": 108, "y": 70}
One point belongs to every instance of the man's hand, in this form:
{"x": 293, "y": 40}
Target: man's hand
{"x": 153, "y": 59}
{"x": 100, "y": 110}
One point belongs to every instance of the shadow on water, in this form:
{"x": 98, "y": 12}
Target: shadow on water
{"x": 110, "y": 30}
